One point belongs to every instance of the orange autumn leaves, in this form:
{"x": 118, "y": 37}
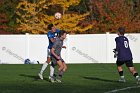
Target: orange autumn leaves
{"x": 115, "y": 14}
{"x": 111, "y": 14}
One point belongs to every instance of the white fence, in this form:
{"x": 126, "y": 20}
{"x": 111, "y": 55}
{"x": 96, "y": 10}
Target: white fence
{"x": 93, "y": 48}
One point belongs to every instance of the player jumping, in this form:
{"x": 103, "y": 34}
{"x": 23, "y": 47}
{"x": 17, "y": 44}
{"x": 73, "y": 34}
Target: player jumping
{"x": 124, "y": 55}
{"x": 52, "y": 35}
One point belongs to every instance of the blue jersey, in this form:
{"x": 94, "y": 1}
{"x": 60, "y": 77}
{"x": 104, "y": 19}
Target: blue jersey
{"x": 122, "y": 46}
{"x": 52, "y": 35}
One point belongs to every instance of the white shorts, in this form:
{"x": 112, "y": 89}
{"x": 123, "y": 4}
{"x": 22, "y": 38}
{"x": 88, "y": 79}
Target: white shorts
{"x": 49, "y": 53}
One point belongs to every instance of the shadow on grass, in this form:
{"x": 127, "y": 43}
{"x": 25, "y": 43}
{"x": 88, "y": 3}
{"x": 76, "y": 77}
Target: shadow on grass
{"x": 36, "y": 78}
{"x": 100, "y": 79}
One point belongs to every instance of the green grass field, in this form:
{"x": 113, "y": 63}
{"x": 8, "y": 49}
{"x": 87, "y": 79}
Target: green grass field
{"x": 79, "y": 78}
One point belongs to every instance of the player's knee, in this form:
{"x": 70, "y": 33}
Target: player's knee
{"x": 65, "y": 68}
{"x": 119, "y": 68}
{"x": 48, "y": 60}
{"x": 132, "y": 69}
{"x": 61, "y": 68}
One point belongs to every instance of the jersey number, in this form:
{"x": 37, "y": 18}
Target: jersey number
{"x": 126, "y": 44}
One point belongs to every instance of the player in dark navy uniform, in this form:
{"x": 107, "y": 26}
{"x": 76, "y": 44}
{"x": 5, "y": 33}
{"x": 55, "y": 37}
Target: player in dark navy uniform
{"x": 52, "y": 35}
{"x": 56, "y": 55}
{"x": 124, "y": 55}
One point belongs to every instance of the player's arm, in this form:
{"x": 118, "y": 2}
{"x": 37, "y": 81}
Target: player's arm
{"x": 117, "y": 44}
{"x": 52, "y": 39}
{"x": 54, "y": 54}
{"x": 115, "y": 50}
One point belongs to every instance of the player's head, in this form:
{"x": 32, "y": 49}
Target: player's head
{"x": 62, "y": 34}
{"x": 51, "y": 27}
{"x": 121, "y": 31}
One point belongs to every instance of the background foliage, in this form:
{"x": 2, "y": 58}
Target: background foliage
{"x": 78, "y": 16}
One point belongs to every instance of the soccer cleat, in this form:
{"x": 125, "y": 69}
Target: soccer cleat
{"x": 122, "y": 80}
{"x": 58, "y": 80}
{"x": 40, "y": 76}
{"x": 52, "y": 79}
{"x": 49, "y": 77}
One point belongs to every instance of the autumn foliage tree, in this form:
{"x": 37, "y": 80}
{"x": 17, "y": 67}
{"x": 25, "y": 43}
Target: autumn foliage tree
{"x": 3, "y": 18}
{"x": 111, "y": 14}
{"x": 33, "y": 17}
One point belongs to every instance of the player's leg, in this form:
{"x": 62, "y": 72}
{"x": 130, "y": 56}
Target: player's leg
{"x": 65, "y": 67}
{"x": 133, "y": 71}
{"x": 53, "y": 64}
{"x": 44, "y": 66}
{"x": 60, "y": 64}
{"x": 51, "y": 71}
{"x": 120, "y": 71}
{"x": 60, "y": 70}
{"x": 131, "y": 68}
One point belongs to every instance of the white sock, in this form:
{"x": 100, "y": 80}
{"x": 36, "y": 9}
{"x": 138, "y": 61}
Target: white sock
{"x": 51, "y": 71}
{"x": 137, "y": 77}
{"x": 122, "y": 76}
{"x": 43, "y": 67}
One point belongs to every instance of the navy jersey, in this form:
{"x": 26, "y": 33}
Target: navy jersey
{"x": 52, "y": 35}
{"x": 122, "y": 46}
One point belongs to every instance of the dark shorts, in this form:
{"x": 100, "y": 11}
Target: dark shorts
{"x": 54, "y": 61}
{"x": 128, "y": 63}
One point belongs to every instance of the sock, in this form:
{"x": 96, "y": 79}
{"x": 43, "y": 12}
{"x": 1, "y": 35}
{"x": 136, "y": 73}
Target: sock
{"x": 51, "y": 71}
{"x": 43, "y": 67}
{"x": 54, "y": 75}
{"x": 60, "y": 74}
{"x": 122, "y": 76}
{"x": 121, "y": 73}
{"x": 136, "y": 75}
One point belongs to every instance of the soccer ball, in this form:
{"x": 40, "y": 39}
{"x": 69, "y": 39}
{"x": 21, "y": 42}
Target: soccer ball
{"x": 57, "y": 15}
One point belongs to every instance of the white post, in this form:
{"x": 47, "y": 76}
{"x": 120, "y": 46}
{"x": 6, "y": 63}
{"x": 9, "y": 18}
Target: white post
{"x": 108, "y": 47}
{"x": 27, "y": 45}
{"x": 68, "y": 47}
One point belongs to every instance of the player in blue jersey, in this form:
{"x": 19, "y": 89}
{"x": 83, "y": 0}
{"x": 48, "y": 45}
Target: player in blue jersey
{"x": 52, "y": 35}
{"x": 124, "y": 55}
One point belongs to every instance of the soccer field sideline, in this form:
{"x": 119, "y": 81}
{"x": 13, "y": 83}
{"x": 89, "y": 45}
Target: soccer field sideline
{"x": 122, "y": 89}
{"x": 80, "y": 78}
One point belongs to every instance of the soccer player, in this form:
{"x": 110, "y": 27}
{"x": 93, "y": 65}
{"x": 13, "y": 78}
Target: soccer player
{"x": 52, "y": 35}
{"x": 124, "y": 55}
{"x": 56, "y": 55}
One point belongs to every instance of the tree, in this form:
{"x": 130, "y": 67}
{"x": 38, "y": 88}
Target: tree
{"x": 115, "y": 13}
{"x": 3, "y": 18}
{"x": 35, "y": 16}
{"x": 7, "y": 14}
